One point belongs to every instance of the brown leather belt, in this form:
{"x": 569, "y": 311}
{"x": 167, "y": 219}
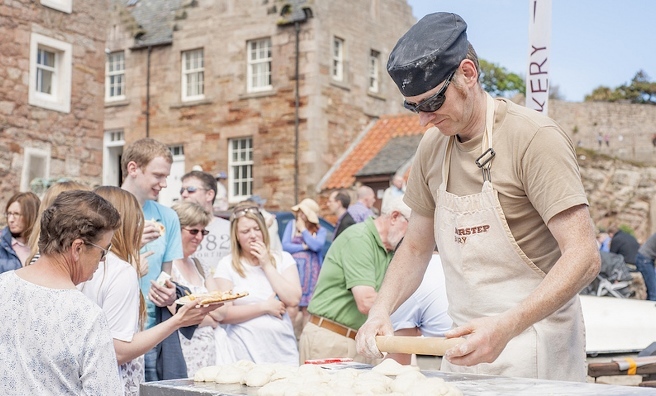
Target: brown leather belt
{"x": 332, "y": 326}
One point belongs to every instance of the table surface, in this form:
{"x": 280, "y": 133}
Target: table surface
{"x": 469, "y": 384}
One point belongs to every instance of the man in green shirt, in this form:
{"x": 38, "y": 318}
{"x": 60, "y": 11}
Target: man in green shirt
{"x": 348, "y": 283}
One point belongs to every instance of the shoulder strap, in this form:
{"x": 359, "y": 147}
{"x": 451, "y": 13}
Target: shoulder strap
{"x": 199, "y": 267}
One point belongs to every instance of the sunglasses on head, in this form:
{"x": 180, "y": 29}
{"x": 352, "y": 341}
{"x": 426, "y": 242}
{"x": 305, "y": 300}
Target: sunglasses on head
{"x": 432, "y": 103}
{"x": 190, "y": 189}
{"x": 242, "y": 212}
{"x": 195, "y": 231}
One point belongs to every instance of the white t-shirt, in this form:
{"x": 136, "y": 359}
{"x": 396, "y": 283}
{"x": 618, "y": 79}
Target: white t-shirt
{"x": 426, "y": 308}
{"x": 54, "y": 342}
{"x": 115, "y": 288}
{"x": 264, "y": 339}
{"x": 214, "y": 246}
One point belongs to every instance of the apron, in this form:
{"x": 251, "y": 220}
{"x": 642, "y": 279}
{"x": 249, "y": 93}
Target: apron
{"x": 487, "y": 273}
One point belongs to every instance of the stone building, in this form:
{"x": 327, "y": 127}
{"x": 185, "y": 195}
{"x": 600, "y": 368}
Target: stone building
{"x": 217, "y": 81}
{"x": 51, "y": 92}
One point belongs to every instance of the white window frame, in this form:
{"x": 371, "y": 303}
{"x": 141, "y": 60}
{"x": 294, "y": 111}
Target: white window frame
{"x": 337, "y": 67}
{"x": 59, "y": 5}
{"x": 28, "y": 174}
{"x": 260, "y": 56}
{"x": 240, "y": 165}
{"x": 60, "y": 97}
{"x": 113, "y": 143}
{"x": 115, "y": 70}
{"x": 193, "y": 74}
{"x": 374, "y": 71}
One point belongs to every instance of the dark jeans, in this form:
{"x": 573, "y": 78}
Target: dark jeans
{"x": 150, "y": 360}
{"x": 646, "y": 267}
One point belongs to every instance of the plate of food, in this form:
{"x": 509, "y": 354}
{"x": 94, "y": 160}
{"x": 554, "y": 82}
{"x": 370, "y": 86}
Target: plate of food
{"x": 211, "y": 297}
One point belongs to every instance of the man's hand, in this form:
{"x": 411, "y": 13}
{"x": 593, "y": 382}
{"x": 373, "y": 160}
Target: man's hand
{"x": 150, "y": 232}
{"x": 486, "y": 339}
{"x": 162, "y": 296}
{"x": 377, "y": 324}
{"x": 143, "y": 262}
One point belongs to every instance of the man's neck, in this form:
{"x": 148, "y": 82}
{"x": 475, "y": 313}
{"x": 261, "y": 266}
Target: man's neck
{"x": 129, "y": 188}
{"x": 340, "y": 212}
{"x": 476, "y": 126}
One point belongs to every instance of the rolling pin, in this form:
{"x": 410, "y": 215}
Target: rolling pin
{"x": 435, "y": 346}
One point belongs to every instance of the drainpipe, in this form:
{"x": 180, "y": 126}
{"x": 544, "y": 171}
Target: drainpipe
{"x": 297, "y": 101}
{"x": 150, "y": 48}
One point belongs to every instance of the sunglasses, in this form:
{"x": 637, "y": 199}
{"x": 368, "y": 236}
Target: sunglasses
{"x": 242, "y": 212}
{"x": 190, "y": 189}
{"x": 195, "y": 231}
{"x": 104, "y": 251}
{"x": 432, "y": 103}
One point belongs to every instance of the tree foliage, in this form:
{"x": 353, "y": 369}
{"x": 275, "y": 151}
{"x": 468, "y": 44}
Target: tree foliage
{"x": 499, "y": 82}
{"x": 639, "y": 90}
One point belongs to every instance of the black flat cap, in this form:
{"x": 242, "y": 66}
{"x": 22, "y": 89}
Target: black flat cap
{"x": 428, "y": 53}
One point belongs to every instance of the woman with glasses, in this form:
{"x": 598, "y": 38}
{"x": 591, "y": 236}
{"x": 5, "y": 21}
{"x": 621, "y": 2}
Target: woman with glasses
{"x": 56, "y": 341}
{"x": 115, "y": 288}
{"x": 21, "y": 213}
{"x": 200, "y": 350}
{"x": 258, "y": 326}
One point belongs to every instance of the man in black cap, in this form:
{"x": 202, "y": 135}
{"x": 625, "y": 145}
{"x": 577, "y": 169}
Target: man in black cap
{"x": 497, "y": 187}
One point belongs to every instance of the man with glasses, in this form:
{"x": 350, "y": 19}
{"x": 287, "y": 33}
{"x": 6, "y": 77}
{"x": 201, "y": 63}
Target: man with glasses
{"x": 497, "y": 187}
{"x": 350, "y": 277}
{"x": 146, "y": 164}
{"x": 201, "y": 187}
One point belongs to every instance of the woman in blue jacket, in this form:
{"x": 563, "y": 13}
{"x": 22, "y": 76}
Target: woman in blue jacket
{"x": 21, "y": 213}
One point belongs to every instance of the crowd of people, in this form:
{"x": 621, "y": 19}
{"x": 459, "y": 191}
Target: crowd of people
{"x": 421, "y": 264}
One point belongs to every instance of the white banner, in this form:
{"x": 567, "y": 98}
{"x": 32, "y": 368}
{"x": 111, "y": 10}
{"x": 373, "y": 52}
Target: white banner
{"x": 539, "y": 41}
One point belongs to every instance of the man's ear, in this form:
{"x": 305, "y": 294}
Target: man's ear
{"x": 132, "y": 167}
{"x": 469, "y": 72}
{"x": 212, "y": 195}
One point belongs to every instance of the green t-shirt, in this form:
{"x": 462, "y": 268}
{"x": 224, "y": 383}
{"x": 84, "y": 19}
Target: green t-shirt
{"x": 356, "y": 258}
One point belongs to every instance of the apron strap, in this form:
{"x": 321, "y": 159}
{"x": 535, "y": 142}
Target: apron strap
{"x": 484, "y": 162}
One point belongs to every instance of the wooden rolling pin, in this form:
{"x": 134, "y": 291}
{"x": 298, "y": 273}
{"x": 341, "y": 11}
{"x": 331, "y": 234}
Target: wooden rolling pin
{"x": 435, "y": 346}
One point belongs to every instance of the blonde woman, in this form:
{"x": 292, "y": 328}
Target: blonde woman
{"x": 115, "y": 288}
{"x": 199, "y": 351}
{"x": 257, "y": 325}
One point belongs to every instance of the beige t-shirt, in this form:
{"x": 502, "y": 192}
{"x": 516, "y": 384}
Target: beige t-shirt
{"x": 535, "y": 173}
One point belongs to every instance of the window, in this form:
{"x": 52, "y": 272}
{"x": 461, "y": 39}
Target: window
{"x": 174, "y": 181}
{"x": 113, "y": 143}
{"x": 115, "y": 76}
{"x": 36, "y": 169}
{"x": 338, "y": 59}
{"x": 50, "y": 73}
{"x": 240, "y": 163}
{"x": 374, "y": 62}
{"x": 59, "y": 5}
{"x": 259, "y": 65}
{"x": 193, "y": 75}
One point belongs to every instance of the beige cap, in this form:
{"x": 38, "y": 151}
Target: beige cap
{"x": 310, "y": 208}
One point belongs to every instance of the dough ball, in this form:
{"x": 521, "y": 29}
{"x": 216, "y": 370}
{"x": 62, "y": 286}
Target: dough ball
{"x": 373, "y": 376}
{"x": 404, "y": 382}
{"x": 392, "y": 367}
{"x": 244, "y": 364}
{"x": 276, "y": 388}
{"x": 206, "y": 374}
{"x": 258, "y": 376}
{"x": 284, "y": 372}
{"x": 229, "y": 375}
{"x": 370, "y": 387}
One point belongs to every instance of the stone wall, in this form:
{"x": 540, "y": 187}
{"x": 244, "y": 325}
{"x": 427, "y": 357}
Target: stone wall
{"x": 73, "y": 139}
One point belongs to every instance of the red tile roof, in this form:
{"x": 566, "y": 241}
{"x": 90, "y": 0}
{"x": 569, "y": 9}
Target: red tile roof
{"x": 386, "y": 128}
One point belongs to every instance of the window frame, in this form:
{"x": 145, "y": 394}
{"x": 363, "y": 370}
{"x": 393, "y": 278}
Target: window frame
{"x": 337, "y": 59}
{"x": 59, "y": 5}
{"x": 60, "y": 97}
{"x": 254, "y": 64}
{"x": 240, "y": 175}
{"x": 29, "y": 154}
{"x": 186, "y": 74}
{"x": 374, "y": 71}
{"x": 109, "y": 74}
